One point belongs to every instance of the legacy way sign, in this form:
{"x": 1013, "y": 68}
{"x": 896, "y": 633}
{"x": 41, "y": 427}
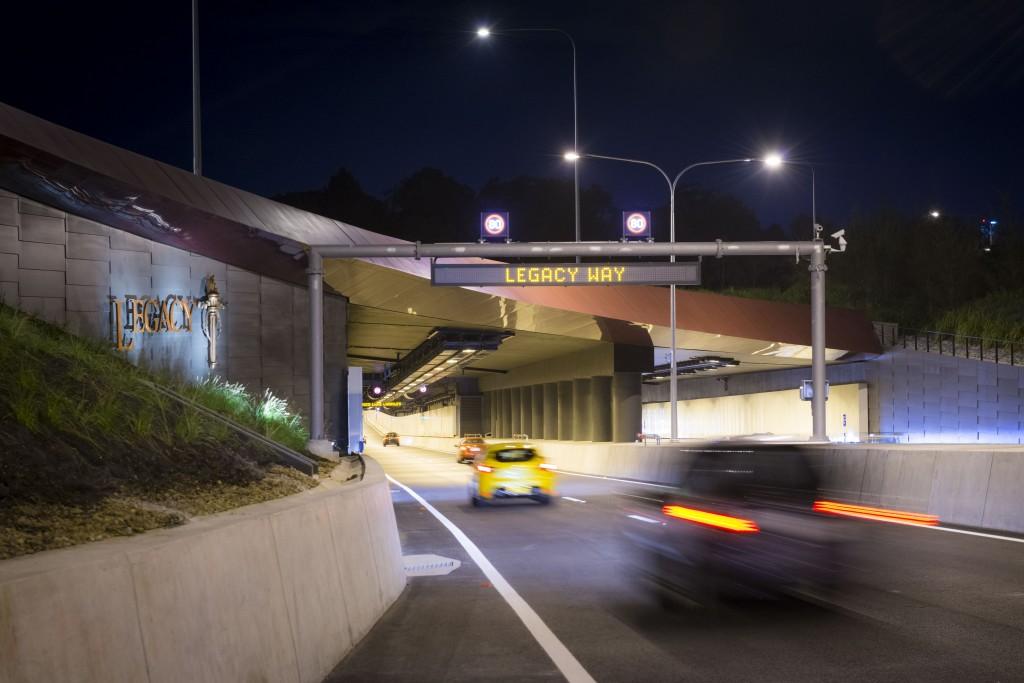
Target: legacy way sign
{"x": 567, "y": 274}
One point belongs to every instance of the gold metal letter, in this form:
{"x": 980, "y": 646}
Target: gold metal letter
{"x": 186, "y": 307}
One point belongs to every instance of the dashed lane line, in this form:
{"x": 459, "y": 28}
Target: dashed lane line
{"x": 545, "y": 637}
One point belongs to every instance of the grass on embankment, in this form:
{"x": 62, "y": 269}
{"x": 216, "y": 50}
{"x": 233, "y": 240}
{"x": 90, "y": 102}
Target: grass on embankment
{"x": 89, "y": 451}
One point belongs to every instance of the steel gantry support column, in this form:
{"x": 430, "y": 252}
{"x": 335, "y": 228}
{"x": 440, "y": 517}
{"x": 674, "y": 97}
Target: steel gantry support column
{"x": 315, "y": 272}
{"x": 817, "y": 269}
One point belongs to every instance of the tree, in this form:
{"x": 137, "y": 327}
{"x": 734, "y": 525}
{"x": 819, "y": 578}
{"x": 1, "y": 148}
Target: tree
{"x": 430, "y": 206}
{"x": 343, "y": 199}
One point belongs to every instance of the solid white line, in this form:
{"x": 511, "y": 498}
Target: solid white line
{"x": 567, "y": 664}
{"x": 976, "y": 533}
{"x": 624, "y": 481}
{"x": 644, "y": 519}
{"x": 575, "y": 500}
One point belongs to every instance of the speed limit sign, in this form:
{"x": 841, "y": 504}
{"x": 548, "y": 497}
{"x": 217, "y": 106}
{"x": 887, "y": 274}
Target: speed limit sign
{"x": 636, "y": 225}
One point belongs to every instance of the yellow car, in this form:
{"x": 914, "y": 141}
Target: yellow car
{"x": 511, "y": 470}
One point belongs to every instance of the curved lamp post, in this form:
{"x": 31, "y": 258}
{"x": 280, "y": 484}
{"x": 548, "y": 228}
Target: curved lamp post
{"x": 485, "y": 32}
{"x": 771, "y": 161}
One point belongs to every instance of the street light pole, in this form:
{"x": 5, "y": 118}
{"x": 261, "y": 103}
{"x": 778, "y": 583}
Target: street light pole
{"x": 486, "y": 33}
{"x": 673, "y": 386}
{"x": 197, "y": 136}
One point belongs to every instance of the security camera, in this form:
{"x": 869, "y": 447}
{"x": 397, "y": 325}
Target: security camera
{"x": 839, "y": 236}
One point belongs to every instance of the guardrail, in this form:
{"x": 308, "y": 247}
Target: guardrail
{"x": 952, "y": 344}
{"x": 285, "y": 455}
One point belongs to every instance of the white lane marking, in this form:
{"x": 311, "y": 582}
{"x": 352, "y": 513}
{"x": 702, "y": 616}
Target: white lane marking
{"x": 624, "y": 481}
{"x": 976, "y": 533}
{"x": 567, "y": 664}
{"x": 644, "y": 519}
{"x": 656, "y": 500}
{"x": 575, "y": 500}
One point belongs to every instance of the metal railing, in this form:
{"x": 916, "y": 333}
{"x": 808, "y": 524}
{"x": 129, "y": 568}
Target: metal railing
{"x": 951, "y": 344}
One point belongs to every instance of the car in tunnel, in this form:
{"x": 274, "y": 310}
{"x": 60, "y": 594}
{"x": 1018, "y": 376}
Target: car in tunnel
{"x": 740, "y": 521}
{"x": 511, "y": 470}
{"x": 392, "y": 439}
{"x": 470, "y": 447}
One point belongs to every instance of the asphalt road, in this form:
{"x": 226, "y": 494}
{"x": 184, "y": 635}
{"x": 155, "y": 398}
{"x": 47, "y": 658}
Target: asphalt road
{"x": 921, "y": 604}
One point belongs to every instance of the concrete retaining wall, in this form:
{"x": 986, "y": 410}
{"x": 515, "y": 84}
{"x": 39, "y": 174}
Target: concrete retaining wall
{"x": 274, "y": 592}
{"x": 64, "y": 269}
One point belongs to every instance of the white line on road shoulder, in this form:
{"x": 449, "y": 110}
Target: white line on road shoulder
{"x": 976, "y": 533}
{"x": 545, "y": 637}
{"x": 575, "y": 500}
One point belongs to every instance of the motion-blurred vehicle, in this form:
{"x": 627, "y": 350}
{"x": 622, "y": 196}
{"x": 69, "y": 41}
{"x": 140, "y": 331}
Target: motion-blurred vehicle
{"x": 391, "y": 438}
{"x": 511, "y": 470}
{"x": 740, "y": 520}
{"x": 471, "y": 446}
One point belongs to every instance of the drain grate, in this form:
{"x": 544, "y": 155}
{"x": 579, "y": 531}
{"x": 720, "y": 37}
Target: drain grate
{"x": 429, "y": 565}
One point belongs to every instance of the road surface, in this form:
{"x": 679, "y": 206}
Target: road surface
{"x": 922, "y": 604}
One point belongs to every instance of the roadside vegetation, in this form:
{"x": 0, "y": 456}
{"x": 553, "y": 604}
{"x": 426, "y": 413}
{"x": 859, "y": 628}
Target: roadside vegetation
{"x": 89, "y": 450}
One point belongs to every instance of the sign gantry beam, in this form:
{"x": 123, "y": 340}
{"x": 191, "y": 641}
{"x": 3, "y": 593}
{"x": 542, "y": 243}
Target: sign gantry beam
{"x": 716, "y": 249}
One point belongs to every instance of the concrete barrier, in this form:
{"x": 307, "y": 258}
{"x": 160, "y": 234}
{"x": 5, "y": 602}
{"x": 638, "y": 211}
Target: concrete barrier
{"x": 279, "y": 591}
{"x": 963, "y": 484}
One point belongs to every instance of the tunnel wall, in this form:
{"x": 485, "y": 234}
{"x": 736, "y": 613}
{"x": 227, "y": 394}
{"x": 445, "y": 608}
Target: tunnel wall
{"x": 773, "y": 412}
{"x": 441, "y": 421}
{"x": 65, "y": 269}
{"x": 915, "y": 396}
{"x": 280, "y": 591}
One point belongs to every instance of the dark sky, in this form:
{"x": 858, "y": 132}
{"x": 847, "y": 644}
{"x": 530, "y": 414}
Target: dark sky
{"x": 914, "y": 103}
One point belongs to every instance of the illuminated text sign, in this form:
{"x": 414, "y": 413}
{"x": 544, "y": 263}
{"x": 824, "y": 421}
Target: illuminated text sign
{"x": 382, "y": 404}
{"x": 569, "y": 274}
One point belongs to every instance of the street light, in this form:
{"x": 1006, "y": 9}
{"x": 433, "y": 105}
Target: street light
{"x": 485, "y": 32}
{"x": 775, "y": 160}
{"x": 770, "y": 161}
{"x": 934, "y": 213}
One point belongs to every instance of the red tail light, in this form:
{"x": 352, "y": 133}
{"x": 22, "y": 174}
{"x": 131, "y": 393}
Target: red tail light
{"x": 484, "y": 468}
{"x": 712, "y": 519}
{"x": 878, "y": 514}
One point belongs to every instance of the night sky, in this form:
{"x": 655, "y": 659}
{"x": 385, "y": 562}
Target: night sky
{"x": 915, "y": 104}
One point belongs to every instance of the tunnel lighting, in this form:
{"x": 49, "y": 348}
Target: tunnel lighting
{"x": 876, "y": 514}
{"x": 377, "y": 391}
{"x": 483, "y": 32}
{"x": 712, "y": 519}
{"x": 773, "y": 160}
{"x": 423, "y": 389}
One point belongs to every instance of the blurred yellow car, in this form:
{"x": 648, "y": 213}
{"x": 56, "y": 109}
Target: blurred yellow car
{"x": 511, "y": 470}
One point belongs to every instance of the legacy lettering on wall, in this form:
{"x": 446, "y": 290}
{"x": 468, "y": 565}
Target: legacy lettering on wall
{"x": 151, "y": 315}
